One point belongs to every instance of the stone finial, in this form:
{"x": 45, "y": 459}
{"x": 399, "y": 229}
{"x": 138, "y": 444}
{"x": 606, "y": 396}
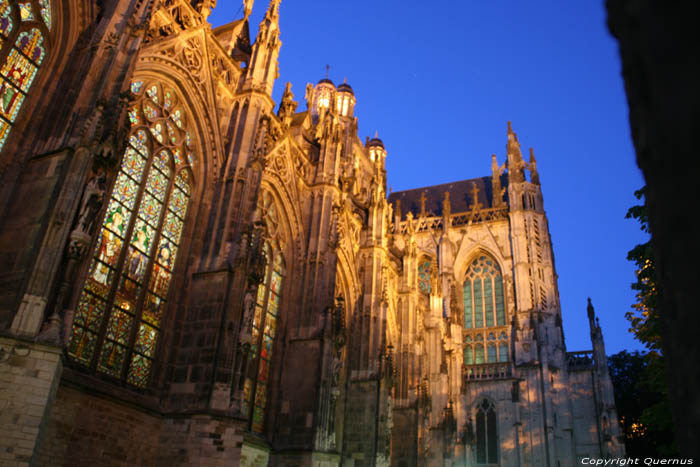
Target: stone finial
{"x": 423, "y": 199}
{"x": 397, "y": 209}
{"x": 288, "y": 106}
{"x": 247, "y": 8}
{"x": 476, "y": 205}
{"x": 446, "y": 206}
{"x": 515, "y": 157}
{"x": 591, "y": 311}
{"x": 532, "y": 166}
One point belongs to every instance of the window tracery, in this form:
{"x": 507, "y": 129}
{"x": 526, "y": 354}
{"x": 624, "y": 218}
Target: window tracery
{"x": 265, "y": 318}
{"x": 486, "y": 434}
{"x": 23, "y": 29}
{"x": 120, "y": 309}
{"x": 424, "y": 277}
{"x": 484, "y": 308}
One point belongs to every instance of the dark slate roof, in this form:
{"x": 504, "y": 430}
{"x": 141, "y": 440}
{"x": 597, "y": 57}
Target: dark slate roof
{"x": 460, "y": 196}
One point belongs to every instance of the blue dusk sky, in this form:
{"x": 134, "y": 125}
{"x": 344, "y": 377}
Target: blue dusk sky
{"x": 439, "y": 80}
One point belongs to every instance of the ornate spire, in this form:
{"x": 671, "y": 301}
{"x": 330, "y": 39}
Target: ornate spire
{"x": 263, "y": 69}
{"x": 515, "y": 158}
{"x": 247, "y": 8}
{"x": 532, "y": 166}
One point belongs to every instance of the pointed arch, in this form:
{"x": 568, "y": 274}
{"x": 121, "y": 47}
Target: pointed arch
{"x": 486, "y": 450}
{"x": 24, "y": 42}
{"x": 483, "y": 293}
{"x": 121, "y": 308}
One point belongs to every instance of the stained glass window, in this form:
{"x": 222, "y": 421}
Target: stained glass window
{"x": 483, "y": 294}
{"x": 22, "y": 51}
{"x": 120, "y": 310}
{"x": 424, "y": 277}
{"x": 486, "y": 434}
{"x": 263, "y": 334}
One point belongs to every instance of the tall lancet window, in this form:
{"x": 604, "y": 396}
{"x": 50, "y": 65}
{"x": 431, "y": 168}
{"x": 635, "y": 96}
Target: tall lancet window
{"x": 265, "y": 317}
{"x": 24, "y": 27}
{"x": 486, "y": 434}
{"x": 484, "y": 307}
{"x": 483, "y": 295}
{"x": 120, "y": 311}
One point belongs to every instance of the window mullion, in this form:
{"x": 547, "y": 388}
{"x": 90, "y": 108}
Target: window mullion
{"x": 138, "y": 313}
{"x": 119, "y": 267}
{"x": 256, "y": 365}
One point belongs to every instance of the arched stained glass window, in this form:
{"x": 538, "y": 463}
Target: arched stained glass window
{"x": 255, "y": 386}
{"x": 486, "y": 434}
{"x": 120, "y": 310}
{"x": 483, "y": 295}
{"x": 424, "y": 277}
{"x": 23, "y": 29}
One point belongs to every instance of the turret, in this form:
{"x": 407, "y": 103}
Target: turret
{"x": 345, "y": 100}
{"x": 377, "y": 152}
{"x": 323, "y": 96}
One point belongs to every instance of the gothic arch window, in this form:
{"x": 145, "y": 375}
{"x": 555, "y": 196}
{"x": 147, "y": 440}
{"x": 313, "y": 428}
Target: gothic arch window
{"x": 484, "y": 310}
{"x": 120, "y": 311}
{"x": 424, "y": 276}
{"x": 483, "y": 294}
{"x": 486, "y": 434}
{"x": 265, "y": 318}
{"x": 24, "y": 27}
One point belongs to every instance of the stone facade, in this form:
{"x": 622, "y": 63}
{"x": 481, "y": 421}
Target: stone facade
{"x": 195, "y": 275}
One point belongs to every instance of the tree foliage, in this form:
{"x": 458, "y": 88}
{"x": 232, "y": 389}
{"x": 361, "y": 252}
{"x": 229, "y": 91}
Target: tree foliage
{"x": 639, "y": 379}
{"x": 642, "y": 404}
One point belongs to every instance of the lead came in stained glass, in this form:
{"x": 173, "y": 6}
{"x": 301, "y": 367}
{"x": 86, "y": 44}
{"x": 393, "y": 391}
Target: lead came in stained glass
{"x": 19, "y": 70}
{"x": 139, "y": 141}
{"x": 146, "y": 340}
{"x": 152, "y": 92}
{"x": 177, "y": 155}
{"x": 10, "y": 100}
{"x": 25, "y": 11}
{"x": 150, "y": 111}
{"x": 6, "y": 23}
{"x": 46, "y": 12}
{"x": 4, "y": 130}
{"x": 484, "y": 308}
{"x": 20, "y": 65}
{"x": 125, "y": 190}
{"x": 264, "y": 326}
{"x": 91, "y": 309}
{"x": 134, "y": 116}
{"x": 136, "y": 87}
{"x": 424, "y": 277}
{"x": 143, "y": 184}
{"x": 142, "y": 236}
{"x": 157, "y": 131}
{"x": 30, "y": 44}
{"x": 139, "y": 371}
{"x": 176, "y": 116}
{"x": 150, "y": 209}
{"x": 172, "y": 133}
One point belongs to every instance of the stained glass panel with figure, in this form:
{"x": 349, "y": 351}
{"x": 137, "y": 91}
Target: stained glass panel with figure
{"x": 120, "y": 310}
{"x": 22, "y": 51}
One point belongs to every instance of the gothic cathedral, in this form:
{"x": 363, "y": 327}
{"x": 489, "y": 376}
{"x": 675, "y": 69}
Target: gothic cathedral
{"x": 193, "y": 274}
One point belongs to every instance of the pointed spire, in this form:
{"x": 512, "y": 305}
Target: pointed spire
{"x": 532, "y": 166}
{"x": 263, "y": 69}
{"x": 247, "y": 8}
{"x": 274, "y": 7}
{"x": 515, "y": 157}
